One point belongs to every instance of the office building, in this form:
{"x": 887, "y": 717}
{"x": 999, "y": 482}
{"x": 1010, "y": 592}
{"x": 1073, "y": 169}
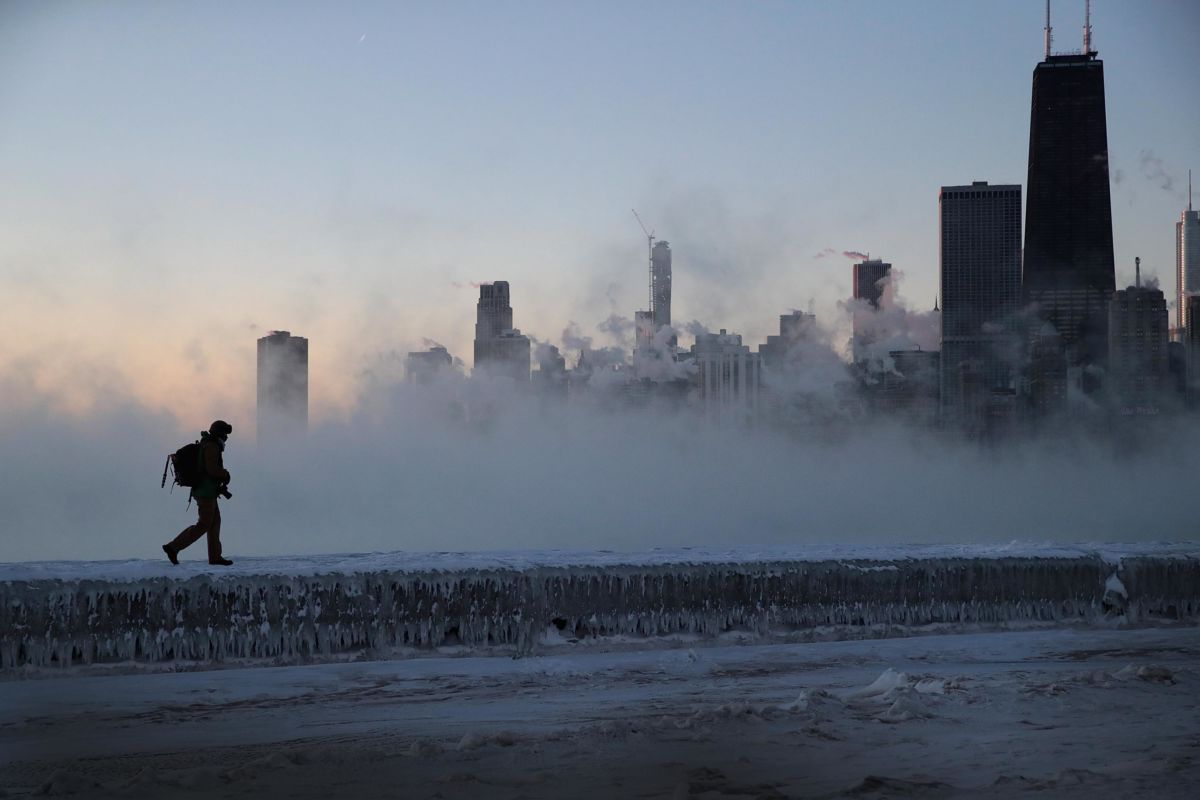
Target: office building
{"x": 1068, "y": 269}
{"x": 1187, "y": 260}
{"x": 1138, "y": 364}
{"x": 980, "y": 266}
{"x": 660, "y": 285}
{"x": 783, "y": 350}
{"x": 868, "y": 285}
{"x": 500, "y": 349}
{"x": 424, "y": 366}
{"x": 1192, "y": 344}
{"x": 282, "y": 388}
{"x": 728, "y": 376}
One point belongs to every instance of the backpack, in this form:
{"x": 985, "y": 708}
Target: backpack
{"x": 185, "y": 465}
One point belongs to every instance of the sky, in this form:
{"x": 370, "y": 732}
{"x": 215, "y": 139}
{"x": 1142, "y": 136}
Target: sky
{"x": 180, "y": 178}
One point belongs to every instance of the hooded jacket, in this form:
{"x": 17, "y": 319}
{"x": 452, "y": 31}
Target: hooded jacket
{"x": 212, "y": 467}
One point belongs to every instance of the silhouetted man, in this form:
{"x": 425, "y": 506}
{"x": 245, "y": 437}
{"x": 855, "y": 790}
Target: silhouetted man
{"x": 213, "y": 480}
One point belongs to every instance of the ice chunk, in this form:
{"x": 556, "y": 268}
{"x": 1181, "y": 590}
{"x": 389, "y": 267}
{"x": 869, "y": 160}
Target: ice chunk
{"x": 890, "y": 679}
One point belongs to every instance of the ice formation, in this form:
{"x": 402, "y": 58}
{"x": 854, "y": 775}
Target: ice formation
{"x": 380, "y": 611}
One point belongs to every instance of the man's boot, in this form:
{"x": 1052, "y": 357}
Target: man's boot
{"x": 220, "y": 561}
{"x": 172, "y": 554}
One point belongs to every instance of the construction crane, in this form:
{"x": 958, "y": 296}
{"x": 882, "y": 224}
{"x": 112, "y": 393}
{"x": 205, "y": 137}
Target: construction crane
{"x": 649, "y": 254}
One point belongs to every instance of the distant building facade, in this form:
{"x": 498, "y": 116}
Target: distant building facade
{"x": 423, "y": 366}
{"x": 282, "y": 386}
{"x": 1192, "y": 345}
{"x": 500, "y": 348}
{"x": 1046, "y": 374}
{"x": 781, "y": 350}
{"x": 1138, "y": 363}
{"x": 728, "y": 376}
{"x": 910, "y": 389}
{"x": 868, "y": 276}
{"x": 1187, "y": 260}
{"x": 660, "y": 289}
{"x": 980, "y": 266}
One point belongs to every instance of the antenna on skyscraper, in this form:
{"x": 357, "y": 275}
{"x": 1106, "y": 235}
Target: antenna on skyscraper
{"x": 1087, "y": 27}
{"x": 1047, "y": 30}
{"x": 649, "y": 253}
{"x": 1189, "y": 190}
{"x": 1137, "y": 271}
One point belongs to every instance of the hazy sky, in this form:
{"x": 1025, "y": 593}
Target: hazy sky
{"x": 179, "y": 178}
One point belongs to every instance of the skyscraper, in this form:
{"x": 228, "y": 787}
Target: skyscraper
{"x": 1192, "y": 343}
{"x": 499, "y": 347}
{"x": 1187, "y": 259}
{"x": 782, "y": 350}
{"x": 1068, "y": 269}
{"x": 423, "y": 366}
{"x": 660, "y": 285}
{"x": 868, "y": 278}
{"x": 729, "y": 376}
{"x": 1137, "y": 343}
{"x": 282, "y": 386}
{"x": 980, "y": 265}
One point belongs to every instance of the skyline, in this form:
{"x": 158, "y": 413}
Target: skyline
{"x": 365, "y": 263}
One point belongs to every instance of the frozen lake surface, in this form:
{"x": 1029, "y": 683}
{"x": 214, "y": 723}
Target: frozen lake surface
{"x": 1075, "y": 712}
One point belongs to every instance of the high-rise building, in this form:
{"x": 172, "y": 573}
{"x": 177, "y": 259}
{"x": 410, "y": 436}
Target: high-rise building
{"x": 910, "y": 388}
{"x": 868, "y": 277}
{"x": 980, "y": 265}
{"x": 493, "y": 312}
{"x": 782, "y": 350}
{"x": 729, "y": 376}
{"x": 1192, "y": 343}
{"x": 1046, "y": 375}
{"x": 643, "y": 329}
{"x": 1137, "y": 349}
{"x": 499, "y": 347}
{"x": 660, "y": 285}
{"x": 1187, "y": 259}
{"x": 282, "y": 386}
{"x": 423, "y": 366}
{"x": 1068, "y": 269}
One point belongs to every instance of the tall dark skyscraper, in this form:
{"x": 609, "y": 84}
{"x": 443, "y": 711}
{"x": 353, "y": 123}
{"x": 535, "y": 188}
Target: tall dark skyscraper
{"x": 1068, "y": 269}
{"x": 868, "y": 278}
{"x": 980, "y": 264}
{"x": 282, "y": 386}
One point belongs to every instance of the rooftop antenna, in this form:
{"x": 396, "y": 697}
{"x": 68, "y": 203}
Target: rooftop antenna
{"x": 1048, "y": 30}
{"x": 1087, "y": 27}
{"x": 649, "y": 254}
{"x": 1137, "y": 271}
{"x": 1189, "y": 190}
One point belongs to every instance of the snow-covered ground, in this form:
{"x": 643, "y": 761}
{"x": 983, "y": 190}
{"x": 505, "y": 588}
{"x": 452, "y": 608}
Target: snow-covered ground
{"x": 521, "y": 560}
{"x": 293, "y": 610}
{"x": 1101, "y": 712}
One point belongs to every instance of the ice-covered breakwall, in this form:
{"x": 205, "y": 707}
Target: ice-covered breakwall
{"x": 282, "y": 618}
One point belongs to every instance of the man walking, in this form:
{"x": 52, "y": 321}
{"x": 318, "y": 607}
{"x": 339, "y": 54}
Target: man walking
{"x": 213, "y": 479}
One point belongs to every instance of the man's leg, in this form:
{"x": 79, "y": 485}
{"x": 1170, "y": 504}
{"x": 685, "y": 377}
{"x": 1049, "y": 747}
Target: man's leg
{"x": 206, "y": 510}
{"x": 214, "y": 535}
